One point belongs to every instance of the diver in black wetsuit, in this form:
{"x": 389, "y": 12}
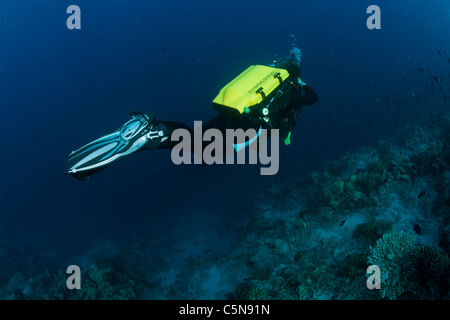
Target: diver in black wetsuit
{"x": 276, "y": 110}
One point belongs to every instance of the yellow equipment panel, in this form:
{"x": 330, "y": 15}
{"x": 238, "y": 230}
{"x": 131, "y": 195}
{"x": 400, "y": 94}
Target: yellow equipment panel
{"x": 250, "y": 87}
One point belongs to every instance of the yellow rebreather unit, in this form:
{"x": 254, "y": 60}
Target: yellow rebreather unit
{"x": 250, "y": 88}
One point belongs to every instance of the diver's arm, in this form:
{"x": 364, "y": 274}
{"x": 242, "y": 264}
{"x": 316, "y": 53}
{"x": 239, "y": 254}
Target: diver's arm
{"x": 310, "y": 97}
{"x": 288, "y": 120}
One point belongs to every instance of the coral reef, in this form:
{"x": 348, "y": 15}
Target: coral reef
{"x": 310, "y": 237}
{"x": 408, "y": 269}
{"x": 307, "y": 238}
{"x": 119, "y": 277}
{"x": 392, "y": 255}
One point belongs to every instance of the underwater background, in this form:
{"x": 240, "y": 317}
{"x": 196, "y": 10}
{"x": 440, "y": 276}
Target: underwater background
{"x": 364, "y": 181}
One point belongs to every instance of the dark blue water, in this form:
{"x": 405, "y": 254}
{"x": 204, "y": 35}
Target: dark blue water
{"x": 61, "y": 88}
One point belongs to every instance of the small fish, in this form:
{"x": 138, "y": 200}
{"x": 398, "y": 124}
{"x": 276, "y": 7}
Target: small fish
{"x": 421, "y": 69}
{"x": 437, "y": 79}
{"x": 342, "y": 222}
{"x": 439, "y": 52}
{"x": 421, "y": 194}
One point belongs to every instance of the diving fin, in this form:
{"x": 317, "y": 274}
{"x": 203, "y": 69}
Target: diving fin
{"x": 100, "y": 153}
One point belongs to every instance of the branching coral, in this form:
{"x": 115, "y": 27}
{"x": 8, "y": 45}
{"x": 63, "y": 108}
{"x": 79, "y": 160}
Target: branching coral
{"x": 391, "y": 254}
{"x": 407, "y": 268}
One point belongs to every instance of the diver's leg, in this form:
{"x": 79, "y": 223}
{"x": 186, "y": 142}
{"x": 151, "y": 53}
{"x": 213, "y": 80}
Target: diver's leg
{"x": 171, "y": 126}
{"x": 216, "y": 123}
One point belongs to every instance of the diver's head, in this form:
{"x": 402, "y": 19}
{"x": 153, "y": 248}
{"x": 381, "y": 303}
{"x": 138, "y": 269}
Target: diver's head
{"x": 296, "y": 54}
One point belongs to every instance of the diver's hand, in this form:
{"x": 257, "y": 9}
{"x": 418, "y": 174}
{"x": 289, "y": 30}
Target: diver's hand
{"x": 300, "y": 82}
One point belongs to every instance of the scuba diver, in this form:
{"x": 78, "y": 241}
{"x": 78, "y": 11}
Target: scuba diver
{"x": 261, "y": 97}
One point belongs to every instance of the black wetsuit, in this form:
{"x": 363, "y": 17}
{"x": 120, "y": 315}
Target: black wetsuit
{"x": 287, "y": 109}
